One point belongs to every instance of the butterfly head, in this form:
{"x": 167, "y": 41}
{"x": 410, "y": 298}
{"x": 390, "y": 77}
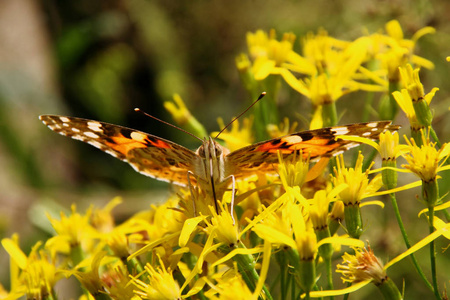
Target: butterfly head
{"x": 211, "y": 149}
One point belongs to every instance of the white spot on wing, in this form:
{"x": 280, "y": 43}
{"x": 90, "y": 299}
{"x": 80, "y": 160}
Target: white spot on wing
{"x": 373, "y": 124}
{"x": 95, "y": 144}
{"x": 91, "y": 135}
{"x": 137, "y": 136}
{"x": 64, "y": 119}
{"x": 95, "y": 126}
{"x": 79, "y": 137}
{"x": 111, "y": 152}
{"x": 293, "y": 139}
{"x": 340, "y": 130}
{"x": 76, "y": 129}
{"x": 54, "y": 126}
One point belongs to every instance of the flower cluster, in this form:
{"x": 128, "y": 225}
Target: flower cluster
{"x": 266, "y": 237}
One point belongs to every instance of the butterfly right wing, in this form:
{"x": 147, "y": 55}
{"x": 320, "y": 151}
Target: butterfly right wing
{"x": 323, "y": 142}
{"x": 147, "y": 154}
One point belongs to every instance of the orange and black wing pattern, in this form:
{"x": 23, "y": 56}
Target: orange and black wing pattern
{"x": 146, "y": 153}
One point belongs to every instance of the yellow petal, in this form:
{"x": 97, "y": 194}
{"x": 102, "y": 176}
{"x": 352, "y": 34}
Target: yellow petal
{"x": 374, "y": 202}
{"x": 317, "y": 120}
{"x": 263, "y": 68}
{"x": 341, "y": 241}
{"x": 423, "y": 62}
{"x": 421, "y": 32}
{"x": 264, "y": 269}
{"x": 274, "y": 236}
{"x": 439, "y": 224}
{"x": 198, "y": 266}
{"x": 295, "y": 83}
{"x": 235, "y": 252}
{"x": 442, "y": 231}
{"x": 394, "y": 29}
{"x": 402, "y": 188}
{"x": 198, "y": 286}
{"x": 350, "y": 289}
{"x": 15, "y": 252}
{"x": 189, "y": 226}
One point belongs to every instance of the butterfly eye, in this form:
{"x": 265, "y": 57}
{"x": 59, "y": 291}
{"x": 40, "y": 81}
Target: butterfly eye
{"x": 201, "y": 151}
{"x": 219, "y": 150}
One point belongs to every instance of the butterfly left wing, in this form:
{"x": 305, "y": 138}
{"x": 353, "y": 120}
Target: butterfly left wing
{"x": 317, "y": 143}
{"x": 146, "y": 153}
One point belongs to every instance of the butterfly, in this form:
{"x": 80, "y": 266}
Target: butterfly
{"x": 212, "y": 166}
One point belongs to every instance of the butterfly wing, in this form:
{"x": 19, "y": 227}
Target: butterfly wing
{"x": 313, "y": 143}
{"x": 146, "y": 153}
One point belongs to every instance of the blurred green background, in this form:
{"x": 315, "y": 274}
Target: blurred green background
{"x": 100, "y": 59}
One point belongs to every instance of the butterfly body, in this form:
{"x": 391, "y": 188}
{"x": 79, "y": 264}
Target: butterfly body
{"x": 212, "y": 165}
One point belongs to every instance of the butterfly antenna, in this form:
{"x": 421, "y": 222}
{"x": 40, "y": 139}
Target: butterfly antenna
{"x": 231, "y": 122}
{"x": 167, "y": 123}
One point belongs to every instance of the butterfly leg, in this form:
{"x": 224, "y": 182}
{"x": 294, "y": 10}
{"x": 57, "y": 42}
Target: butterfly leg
{"x": 233, "y": 192}
{"x": 191, "y": 189}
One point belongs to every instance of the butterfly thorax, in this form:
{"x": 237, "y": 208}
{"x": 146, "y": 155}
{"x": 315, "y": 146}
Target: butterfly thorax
{"x": 211, "y": 170}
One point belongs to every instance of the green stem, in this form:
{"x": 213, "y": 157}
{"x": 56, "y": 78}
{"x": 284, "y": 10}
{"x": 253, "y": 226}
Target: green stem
{"x": 407, "y": 243}
{"x": 390, "y": 290}
{"x": 293, "y": 290}
{"x": 307, "y": 297}
{"x": 246, "y": 266}
{"x": 281, "y": 259}
{"x": 329, "y": 275}
{"x": 134, "y": 266}
{"x": 347, "y": 295}
{"x": 447, "y": 215}
{"x": 329, "y": 114}
{"x": 367, "y": 107}
{"x": 435, "y": 137}
{"x": 326, "y": 252}
{"x": 76, "y": 255}
{"x": 433, "y": 253}
{"x": 353, "y": 220}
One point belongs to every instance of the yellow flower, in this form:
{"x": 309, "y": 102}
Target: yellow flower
{"x": 357, "y": 181}
{"x": 394, "y": 51}
{"x": 102, "y": 219}
{"x": 389, "y": 147}
{"x": 277, "y": 227}
{"x": 34, "y": 275}
{"x": 322, "y": 50}
{"x": 118, "y": 243}
{"x": 364, "y": 265}
{"x": 117, "y": 283}
{"x": 159, "y": 285}
{"x": 294, "y": 170}
{"x": 223, "y": 226}
{"x": 411, "y": 82}
{"x": 195, "y": 202}
{"x": 230, "y": 287}
{"x": 426, "y": 161}
{"x": 395, "y": 31}
{"x": 269, "y": 54}
{"x": 419, "y": 101}
{"x": 318, "y": 211}
{"x": 88, "y": 273}
{"x": 74, "y": 230}
{"x": 335, "y": 70}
